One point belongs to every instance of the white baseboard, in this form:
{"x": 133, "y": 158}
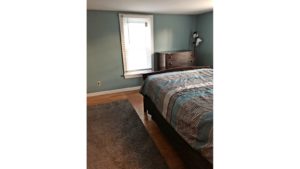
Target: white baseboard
{"x": 114, "y": 91}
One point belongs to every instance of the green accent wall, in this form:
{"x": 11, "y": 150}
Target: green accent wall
{"x": 204, "y": 27}
{"x": 104, "y": 58}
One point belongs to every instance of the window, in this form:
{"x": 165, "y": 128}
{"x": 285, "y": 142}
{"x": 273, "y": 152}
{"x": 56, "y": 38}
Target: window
{"x": 137, "y": 44}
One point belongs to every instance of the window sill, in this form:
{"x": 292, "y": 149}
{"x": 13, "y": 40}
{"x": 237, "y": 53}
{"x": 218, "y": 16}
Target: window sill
{"x": 136, "y": 74}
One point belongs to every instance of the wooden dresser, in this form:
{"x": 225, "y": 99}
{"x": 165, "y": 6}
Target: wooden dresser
{"x": 175, "y": 59}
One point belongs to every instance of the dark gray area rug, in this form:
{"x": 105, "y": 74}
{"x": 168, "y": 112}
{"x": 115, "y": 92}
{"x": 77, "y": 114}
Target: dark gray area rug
{"x": 117, "y": 139}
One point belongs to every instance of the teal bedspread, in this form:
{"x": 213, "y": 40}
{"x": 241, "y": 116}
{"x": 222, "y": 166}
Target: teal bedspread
{"x": 185, "y": 99}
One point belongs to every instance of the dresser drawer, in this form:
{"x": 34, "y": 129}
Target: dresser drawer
{"x": 180, "y": 55}
{"x": 176, "y": 59}
{"x": 180, "y": 62}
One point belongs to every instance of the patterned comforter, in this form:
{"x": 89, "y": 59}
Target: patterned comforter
{"x": 185, "y": 99}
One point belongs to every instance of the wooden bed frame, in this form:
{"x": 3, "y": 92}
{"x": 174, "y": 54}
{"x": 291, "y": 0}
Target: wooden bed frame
{"x": 191, "y": 158}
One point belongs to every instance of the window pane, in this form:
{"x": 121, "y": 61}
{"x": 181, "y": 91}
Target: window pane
{"x": 137, "y": 34}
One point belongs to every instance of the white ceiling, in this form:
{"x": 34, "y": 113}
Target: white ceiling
{"x": 153, "y": 6}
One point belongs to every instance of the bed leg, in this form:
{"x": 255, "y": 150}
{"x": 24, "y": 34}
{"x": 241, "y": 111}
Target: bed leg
{"x": 145, "y": 109}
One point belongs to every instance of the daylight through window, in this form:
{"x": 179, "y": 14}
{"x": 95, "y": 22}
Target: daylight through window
{"x": 137, "y": 44}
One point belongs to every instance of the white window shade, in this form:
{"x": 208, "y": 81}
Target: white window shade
{"x": 137, "y": 43}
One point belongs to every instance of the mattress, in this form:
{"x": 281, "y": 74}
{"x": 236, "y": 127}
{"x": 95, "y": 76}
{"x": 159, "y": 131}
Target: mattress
{"x": 185, "y": 100}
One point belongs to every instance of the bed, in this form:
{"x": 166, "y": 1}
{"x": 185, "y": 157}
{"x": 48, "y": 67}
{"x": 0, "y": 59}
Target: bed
{"x": 180, "y": 101}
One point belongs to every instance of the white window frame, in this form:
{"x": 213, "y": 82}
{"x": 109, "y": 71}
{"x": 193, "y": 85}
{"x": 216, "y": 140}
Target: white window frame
{"x": 134, "y": 74}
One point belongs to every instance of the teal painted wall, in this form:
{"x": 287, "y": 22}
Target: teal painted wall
{"x": 204, "y": 28}
{"x": 173, "y": 32}
{"x": 104, "y": 59}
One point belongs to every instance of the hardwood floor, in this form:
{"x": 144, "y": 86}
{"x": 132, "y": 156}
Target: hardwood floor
{"x": 136, "y": 99}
